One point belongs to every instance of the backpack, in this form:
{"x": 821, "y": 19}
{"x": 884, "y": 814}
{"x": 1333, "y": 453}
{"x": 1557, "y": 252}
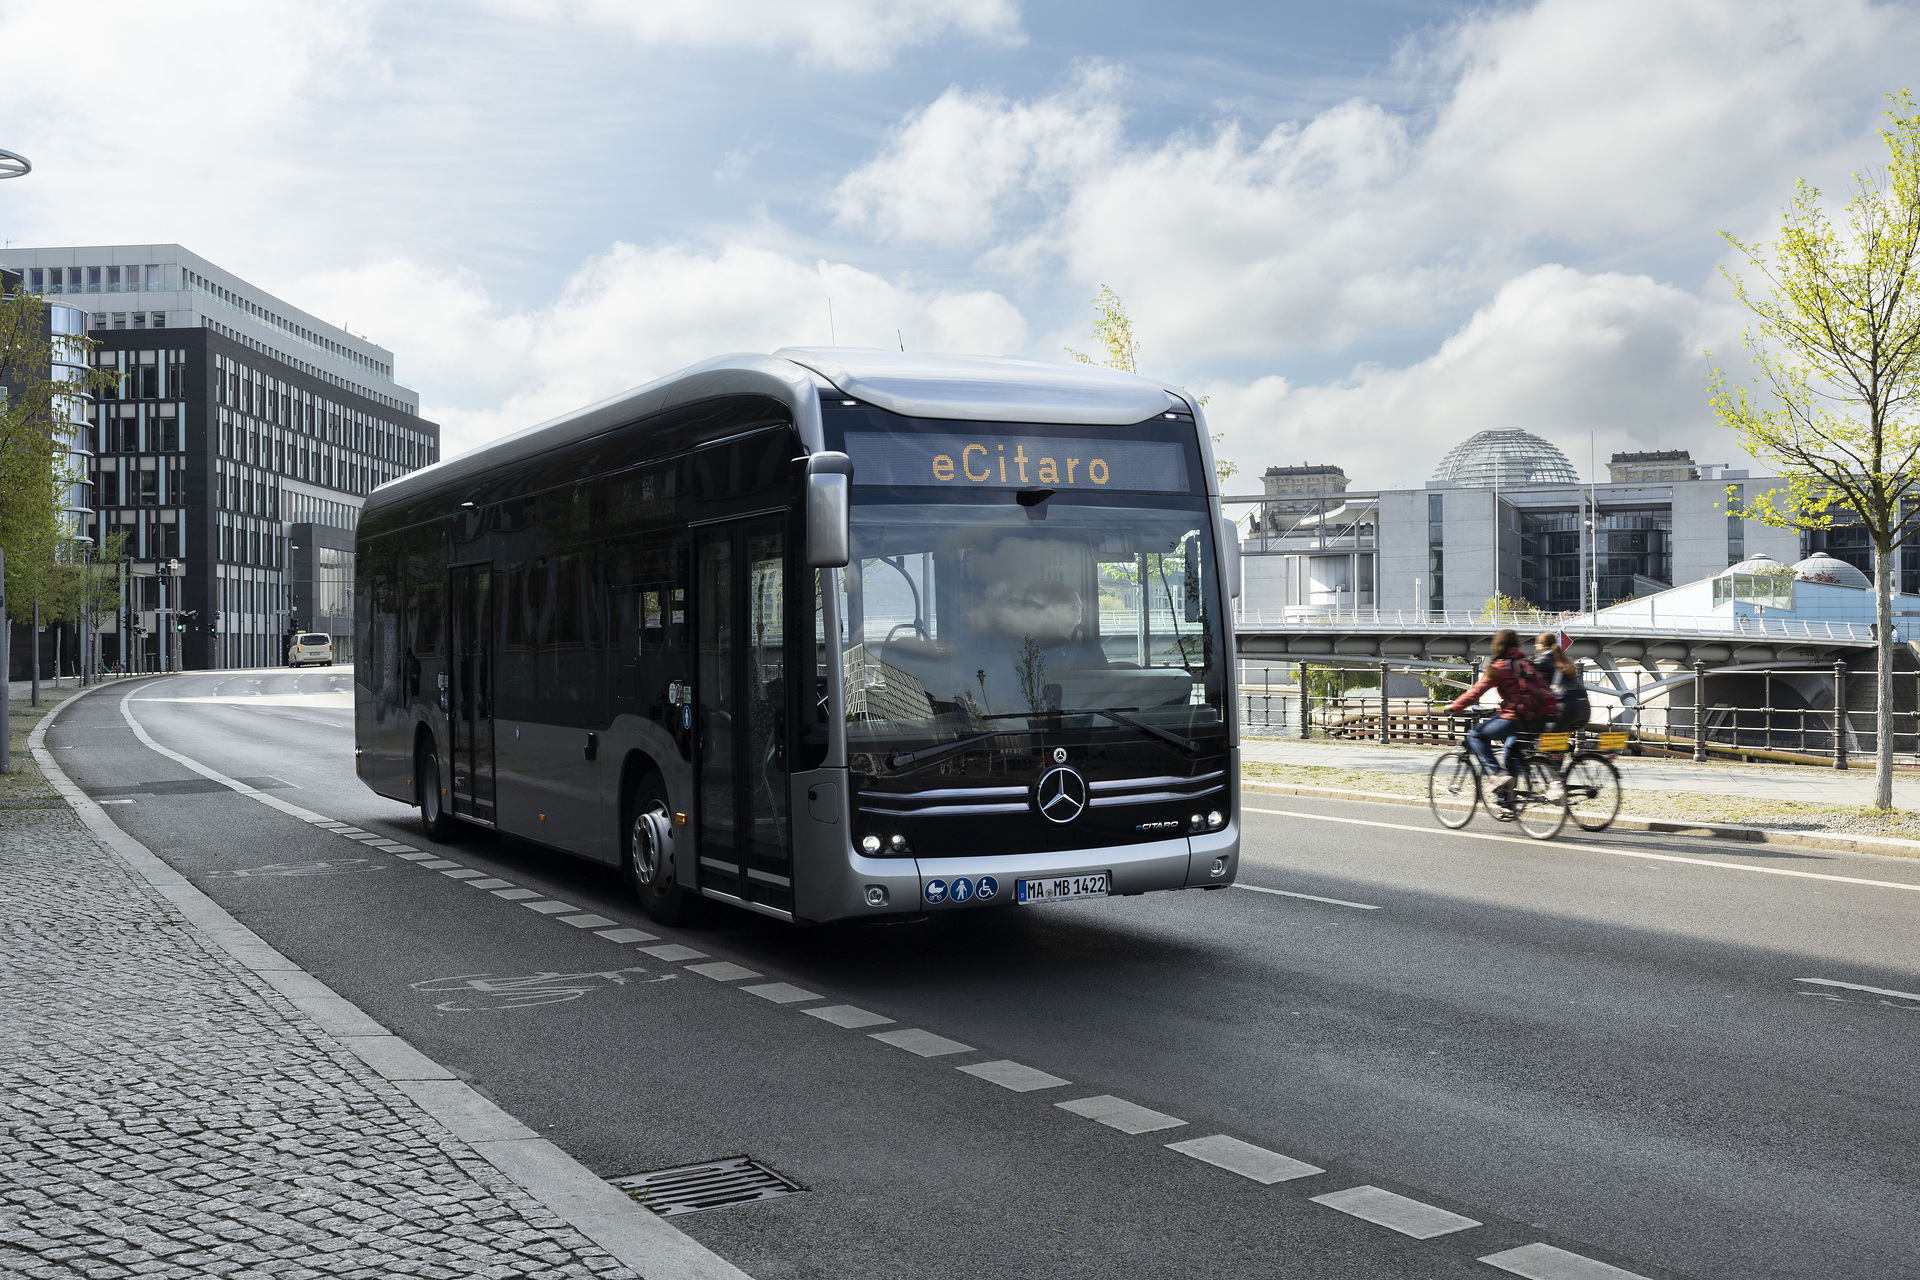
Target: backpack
{"x": 1575, "y": 711}
{"x": 1533, "y": 696}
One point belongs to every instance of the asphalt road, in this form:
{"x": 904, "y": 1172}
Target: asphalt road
{"x": 1572, "y": 1042}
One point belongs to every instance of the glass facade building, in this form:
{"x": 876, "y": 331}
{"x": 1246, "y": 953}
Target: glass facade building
{"x": 233, "y": 421}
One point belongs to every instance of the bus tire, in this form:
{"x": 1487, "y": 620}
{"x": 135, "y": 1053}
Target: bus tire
{"x": 441, "y": 827}
{"x": 649, "y": 863}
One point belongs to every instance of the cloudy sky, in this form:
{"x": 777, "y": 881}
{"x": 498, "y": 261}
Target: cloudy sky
{"x": 1365, "y": 230}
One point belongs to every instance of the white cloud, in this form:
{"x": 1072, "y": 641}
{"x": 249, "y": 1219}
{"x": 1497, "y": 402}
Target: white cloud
{"x": 632, "y": 314}
{"x": 1556, "y": 352}
{"x": 842, "y": 33}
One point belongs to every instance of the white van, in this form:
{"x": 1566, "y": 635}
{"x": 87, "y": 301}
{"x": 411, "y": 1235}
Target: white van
{"x": 310, "y": 648}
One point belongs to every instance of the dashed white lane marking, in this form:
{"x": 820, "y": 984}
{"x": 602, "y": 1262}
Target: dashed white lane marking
{"x": 723, "y": 971}
{"x": 549, "y": 908}
{"x": 846, "y": 1015}
{"x": 924, "y": 1043}
{"x": 392, "y": 846}
{"x": 1310, "y": 897}
{"x": 1855, "y": 986}
{"x": 674, "y": 951}
{"x": 1263, "y": 1166}
{"x": 463, "y": 873}
{"x": 1013, "y": 1075}
{"x": 1395, "y": 1212}
{"x": 437, "y": 864}
{"x": 420, "y": 857}
{"x": 1544, "y": 1262}
{"x": 1118, "y": 1113}
{"x": 515, "y": 895}
{"x": 113, "y": 802}
{"x": 587, "y": 921}
{"x": 627, "y": 935}
{"x": 782, "y": 992}
{"x": 489, "y": 884}
{"x": 1595, "y": 848}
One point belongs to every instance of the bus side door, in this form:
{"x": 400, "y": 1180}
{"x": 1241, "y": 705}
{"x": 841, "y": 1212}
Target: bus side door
{"x": 470, "y": 689}
{"x": 740, "y": 702}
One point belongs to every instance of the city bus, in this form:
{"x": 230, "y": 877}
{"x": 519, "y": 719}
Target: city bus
{"x": 827, "y": 634}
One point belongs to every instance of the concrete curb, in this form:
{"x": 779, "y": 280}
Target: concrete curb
{"x": 1883, "y": 846}
{"x": 592, "y": 1206}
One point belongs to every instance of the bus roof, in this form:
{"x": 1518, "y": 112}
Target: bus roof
{"x": 971, "y": 388}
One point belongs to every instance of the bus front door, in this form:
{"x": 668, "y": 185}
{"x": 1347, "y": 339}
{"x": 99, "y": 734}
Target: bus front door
{"x": 470, "y": 697}
{"x": 740, "y": 599}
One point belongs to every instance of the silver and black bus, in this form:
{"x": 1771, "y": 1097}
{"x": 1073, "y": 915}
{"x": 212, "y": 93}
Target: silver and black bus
{"x": 824, "y": 634}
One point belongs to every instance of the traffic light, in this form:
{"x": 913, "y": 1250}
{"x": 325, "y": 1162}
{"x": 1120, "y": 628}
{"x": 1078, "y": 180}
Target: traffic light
{"x": 179, "y": 626}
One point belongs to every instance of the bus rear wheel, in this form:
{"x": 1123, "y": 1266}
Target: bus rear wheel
{"x": 649, "y": 854}
{"x": 439, "y": 825}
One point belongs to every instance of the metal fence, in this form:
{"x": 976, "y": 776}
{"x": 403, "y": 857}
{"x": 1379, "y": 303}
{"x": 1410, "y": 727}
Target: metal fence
{"x": 1783, "y": 716}
{"x": 1711, "y": 626}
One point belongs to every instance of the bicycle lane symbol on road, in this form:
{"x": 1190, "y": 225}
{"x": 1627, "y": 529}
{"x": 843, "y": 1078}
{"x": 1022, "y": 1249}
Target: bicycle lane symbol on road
{"x": 485, "y": 993}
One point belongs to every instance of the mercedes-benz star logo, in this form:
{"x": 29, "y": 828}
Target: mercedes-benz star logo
{"x": 1061, "y": 795}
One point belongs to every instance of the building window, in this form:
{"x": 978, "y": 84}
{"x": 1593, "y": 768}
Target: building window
{"x": 1736, "y": 525}
{"x": 1436, "y": 557}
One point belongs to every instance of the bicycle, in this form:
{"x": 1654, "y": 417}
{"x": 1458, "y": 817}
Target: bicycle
{"x": 1454, "y": 791}
{"x": 1588, "y": 774}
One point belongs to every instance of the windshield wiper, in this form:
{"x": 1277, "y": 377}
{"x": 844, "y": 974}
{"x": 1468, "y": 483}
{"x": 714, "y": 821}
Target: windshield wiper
{"x": 901, "y": 759}
{"x": 1185, "y": 744}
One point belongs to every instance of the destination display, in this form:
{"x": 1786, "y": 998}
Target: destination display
{"x": 1016, "y": 462}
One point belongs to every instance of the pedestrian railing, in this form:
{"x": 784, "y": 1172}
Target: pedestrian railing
{"x": 1526, "y": 620}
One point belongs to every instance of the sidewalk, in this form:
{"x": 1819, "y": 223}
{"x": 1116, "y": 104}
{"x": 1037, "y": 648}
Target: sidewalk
{"x": 1801, "y": 783}
{"x": 163, "y": 1112}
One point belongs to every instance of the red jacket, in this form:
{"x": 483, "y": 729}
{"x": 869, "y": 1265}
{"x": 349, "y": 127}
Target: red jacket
{"x": 1499, "y": 675}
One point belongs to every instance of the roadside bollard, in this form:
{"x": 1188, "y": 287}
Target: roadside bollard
{"x": 1839, "y": 714}
{"x": 1699, "y": 709}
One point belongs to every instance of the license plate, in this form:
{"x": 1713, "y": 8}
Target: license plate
{"x": 1061, "y": 888}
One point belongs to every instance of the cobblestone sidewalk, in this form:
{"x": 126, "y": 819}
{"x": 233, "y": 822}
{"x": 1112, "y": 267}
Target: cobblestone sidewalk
{"x": 164, "y": 1113}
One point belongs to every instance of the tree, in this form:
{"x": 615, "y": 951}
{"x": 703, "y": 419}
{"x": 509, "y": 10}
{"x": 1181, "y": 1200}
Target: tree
{"x": 1835, "y": 348}
{"x": 1113, "y": 330}
{"x": 34, "y": 469}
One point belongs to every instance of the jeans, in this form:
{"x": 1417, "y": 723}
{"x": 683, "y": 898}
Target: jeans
{"x": 1481, "y": 737}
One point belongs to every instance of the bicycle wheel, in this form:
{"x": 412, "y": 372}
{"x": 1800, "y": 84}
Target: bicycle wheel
{"x": 1453, "y": 790}
{"x": 1593, "y": 790}
{"x": 1538, "y": 816}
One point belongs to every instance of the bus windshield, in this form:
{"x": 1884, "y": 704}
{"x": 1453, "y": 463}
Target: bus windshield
{"x": 963, "y": 617}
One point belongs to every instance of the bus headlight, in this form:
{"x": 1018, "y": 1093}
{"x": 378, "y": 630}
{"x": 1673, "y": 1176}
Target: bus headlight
{"x": 870, "y": 845}
{"x": 1196, "y": 823}
{"x": 898, "y": 843}
{"x": 1216, "y": 820}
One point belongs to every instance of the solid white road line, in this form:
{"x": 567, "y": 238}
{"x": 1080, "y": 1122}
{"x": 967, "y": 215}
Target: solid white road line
{"x": 1544, "y": 1262}
{"x": 1014, "y": 1076}
{"x": 1118, "y": 1113}
{"x": 924, "y": 1043}
{"x": 1263, "y": 1166}
{"x": 1593, "y": 848}
{"x": 1310, "y": 897}
{"x": 1855, "y": 986}
{"x": 1399, "y": 1213}
{"x": 846, "y": 1015}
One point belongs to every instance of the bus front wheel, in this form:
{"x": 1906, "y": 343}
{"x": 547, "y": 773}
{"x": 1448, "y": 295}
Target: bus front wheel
{"x": 434, "y": 818}
{"x": 650, "y": 854}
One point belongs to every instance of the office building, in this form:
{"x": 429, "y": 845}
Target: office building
{"x": 241, "y": 442}
{"x": 1656, "y": 467}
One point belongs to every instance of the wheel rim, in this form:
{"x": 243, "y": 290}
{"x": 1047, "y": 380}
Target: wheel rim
{"x": 649, "y": 860}
{"x": 1538, "y": 816}
{"x": 1453, "y": 791}
{"x": 1593, "y": 793}
{"x": 430, "y": 788}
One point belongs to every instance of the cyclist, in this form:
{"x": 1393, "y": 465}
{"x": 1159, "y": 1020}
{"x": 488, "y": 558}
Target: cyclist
{"x": 1525, "y": 701}
{"x": 1562, "y": 675}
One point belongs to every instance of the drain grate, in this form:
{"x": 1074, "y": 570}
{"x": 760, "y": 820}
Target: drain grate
{"x": 693, "y": 1187}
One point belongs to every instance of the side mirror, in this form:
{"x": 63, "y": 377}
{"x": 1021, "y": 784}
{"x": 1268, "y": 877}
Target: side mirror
{"x": 1230, "y": 555}
{"x": 829, "y": 506}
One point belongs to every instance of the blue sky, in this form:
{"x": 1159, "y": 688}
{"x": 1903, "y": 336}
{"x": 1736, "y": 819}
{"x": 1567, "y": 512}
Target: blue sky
{"x": 1365, "y": 230}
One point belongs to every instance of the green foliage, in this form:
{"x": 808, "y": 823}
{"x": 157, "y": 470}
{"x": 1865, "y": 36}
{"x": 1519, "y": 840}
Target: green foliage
{"x": 1836, "y": 346}
{"x": 1333, "y": 682}
{"x": 1113, "y": 330}
{"x": 1501, "y": 608}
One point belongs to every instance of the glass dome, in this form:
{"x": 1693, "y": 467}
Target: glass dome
{"x": 1505, "y": 458}
{"x": 1821, "y": 567}
{"x": 1759, "y": 562}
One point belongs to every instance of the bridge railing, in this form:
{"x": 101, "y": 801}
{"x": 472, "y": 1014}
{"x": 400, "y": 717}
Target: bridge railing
{"x": 1784, "y": 716}
{"x": 1579, "y": 624}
